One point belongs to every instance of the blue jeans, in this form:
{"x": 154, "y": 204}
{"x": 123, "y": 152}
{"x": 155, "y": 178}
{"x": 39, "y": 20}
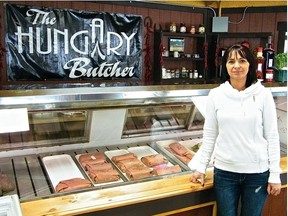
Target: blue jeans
{"x": 230, "y": 186}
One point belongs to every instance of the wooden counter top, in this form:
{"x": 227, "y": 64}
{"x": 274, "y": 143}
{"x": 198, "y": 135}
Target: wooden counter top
{"x": 90, "y": 201}
{"x": 283, "y": 164}
{"x": 96, "y": 200}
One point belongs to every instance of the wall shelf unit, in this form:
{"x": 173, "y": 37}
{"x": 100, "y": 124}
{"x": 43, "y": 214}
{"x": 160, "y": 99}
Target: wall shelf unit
{"x": 179, "y": 70}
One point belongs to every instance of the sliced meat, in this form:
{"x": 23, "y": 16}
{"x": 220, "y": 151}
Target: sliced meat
{"x": 138, "y": 173}
{"x": 118, "y": 158}
{"x": 99, "y": 167}
{"x": 72, "y": 184}
{"x": 87, "y": 163}
{"x": 170, "y": 150}
{"x": 154, "y": 160}
{"x": 129, "y": 163}
{"x": 184, "y": 159}
{"x": 103, "y": 176}
{"x": 92, "y": 158}
{"x": 189, "y": 155}
{"x": 160, "y": 166}
{"x": 179, "y": 149}
{"x": 167, "y": 170}
{"x": 6, "y": 184}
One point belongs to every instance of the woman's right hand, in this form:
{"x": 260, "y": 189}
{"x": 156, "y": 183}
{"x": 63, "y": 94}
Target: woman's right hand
{"x": 198, "y": 177}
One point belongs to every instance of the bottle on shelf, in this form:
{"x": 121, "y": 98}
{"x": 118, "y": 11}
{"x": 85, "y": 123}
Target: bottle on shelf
{"x": 195, "y": 74}
{"x": 182, "y": 28}
{"x": 201, "y": 29}
{"x": 269, "y": 75}
{"x": 190, "y": 74}
{"x": 268, "y": 54}
{"x": 260, "y": 60}
{"x": 173, "y": 27}
{"x": 192, "y": 29}
{"x": 164, "y": 74}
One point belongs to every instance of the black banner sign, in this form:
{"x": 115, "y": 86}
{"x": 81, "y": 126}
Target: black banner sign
{"x": 64, "y": 44}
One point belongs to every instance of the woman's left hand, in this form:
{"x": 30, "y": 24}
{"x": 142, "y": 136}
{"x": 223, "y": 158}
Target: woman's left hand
{"x": 274, "y": 189}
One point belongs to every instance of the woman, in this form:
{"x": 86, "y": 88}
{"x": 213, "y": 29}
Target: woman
{"x": 241, "y": 122}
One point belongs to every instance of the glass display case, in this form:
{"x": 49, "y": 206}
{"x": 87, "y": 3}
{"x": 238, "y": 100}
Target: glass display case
{"x": 83, "y": 120}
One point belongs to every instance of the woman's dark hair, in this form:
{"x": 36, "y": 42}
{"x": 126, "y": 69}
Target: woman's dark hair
{"x": 244, "y": 52}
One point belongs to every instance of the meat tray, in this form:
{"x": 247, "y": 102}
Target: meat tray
{"x": 140, "y": 152}
{"x": 113, "y": 153}
{"x": 96, "y": 184}
{"x": 61, "y": 167}
{"x": 188, "y": 144}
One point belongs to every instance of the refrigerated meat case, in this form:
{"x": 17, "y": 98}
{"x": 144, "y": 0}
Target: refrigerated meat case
{"x": 81, "y": 120}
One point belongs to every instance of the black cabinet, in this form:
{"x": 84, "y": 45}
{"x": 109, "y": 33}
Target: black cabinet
{"x": 187, "y": 68}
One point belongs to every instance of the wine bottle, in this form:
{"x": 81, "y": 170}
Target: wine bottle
{"x": 260, "y": 61}
{"x": 268, "y": 54}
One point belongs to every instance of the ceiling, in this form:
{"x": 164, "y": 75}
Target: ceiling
{"x": 224, "y": 3}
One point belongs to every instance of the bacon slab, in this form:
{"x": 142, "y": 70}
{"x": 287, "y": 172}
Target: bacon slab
{"x": 184, "y": 159}
{"x": 179, "y": 149}
{"x": 72, "y": 184}
{"x": 167, "y": 170}
{"x": 99, "y": 167}
{"x": 138, "y": 173}
{"x": 129, "y": 163}
{"x": 180, "y": 152}
{"x": 154, "y": 160}
{"x": 103, "y": 176}
{"x": 92, "y": 158}
{"x": 118, "y": 158}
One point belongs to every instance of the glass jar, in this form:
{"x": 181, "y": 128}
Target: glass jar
{"x": 192, "y": 29}
{"x": 190, "y": 74}
{"x": 182, "y": 28}
{"x": 269, "y": 75}
{"x": 168, "y": 74}
{"x": 195, "y": 74}
{"x": 172, "y": 74}
{"x": 177, "y": 73}
{"x": 173, "y": 27}
{"x": 184, "y": 73}
{"x": 201, "y": 29}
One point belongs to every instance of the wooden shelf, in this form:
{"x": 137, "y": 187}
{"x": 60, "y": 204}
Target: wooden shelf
{"x": 180, "y": 34}
{"x": 182, "y": 59}
{"x": 240, "y": 35}
{"x": 194, "y": 43}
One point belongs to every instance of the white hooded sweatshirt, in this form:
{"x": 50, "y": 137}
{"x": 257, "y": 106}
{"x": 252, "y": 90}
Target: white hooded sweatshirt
{"x": 243, "y": 127}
